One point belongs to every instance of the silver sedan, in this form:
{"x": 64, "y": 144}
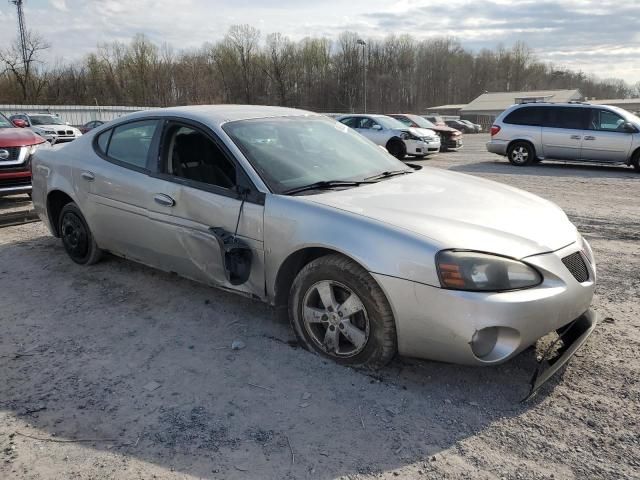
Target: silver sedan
{"x": 367, "y": 256}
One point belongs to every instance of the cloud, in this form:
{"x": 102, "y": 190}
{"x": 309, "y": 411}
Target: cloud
{"x": 597, "y": 37}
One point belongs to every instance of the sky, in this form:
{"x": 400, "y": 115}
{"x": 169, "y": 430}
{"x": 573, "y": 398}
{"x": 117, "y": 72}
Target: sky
{"x": 598, "y": 37}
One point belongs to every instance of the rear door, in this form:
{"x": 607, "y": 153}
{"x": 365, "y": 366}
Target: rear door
{"x": 203, "y": 192}
{"x": 605, "y": 139}
{"x": 563, "y": 131}
{"x": 114, "y": 190}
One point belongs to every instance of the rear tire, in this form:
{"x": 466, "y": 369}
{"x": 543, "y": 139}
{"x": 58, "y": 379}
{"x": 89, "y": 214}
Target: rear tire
{"x": 77, "y": 238}
{"x": 397, "y": 148}
{"x": 521, "y": 154}
{"x": 339, "y": 311}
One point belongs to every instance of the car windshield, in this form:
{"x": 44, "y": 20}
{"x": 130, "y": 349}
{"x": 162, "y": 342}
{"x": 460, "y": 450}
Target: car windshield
{"x": 421, "y": 122}
{"x": 388, "y": 122}
{"x": 292, "y": 152}
{"x": 45, "y": 120}
{"x": 4, "y": 123}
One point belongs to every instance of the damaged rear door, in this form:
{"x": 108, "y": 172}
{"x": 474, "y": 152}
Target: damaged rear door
{"x": 210, "y": 212}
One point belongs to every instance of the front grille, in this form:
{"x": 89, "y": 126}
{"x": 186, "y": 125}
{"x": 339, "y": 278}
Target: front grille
{"x": 14, "y": 153}
{"x": 575, "y": 264}
{"x": 15, "y": 182}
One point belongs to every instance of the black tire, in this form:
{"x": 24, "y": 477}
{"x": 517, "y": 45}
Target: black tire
{"x": 76, "y": 236}
{"x": 397, "y": 148}
{"x": 635, "y": 161}
{"x": 380, "y": 344}
{"x": 521, "y": 154}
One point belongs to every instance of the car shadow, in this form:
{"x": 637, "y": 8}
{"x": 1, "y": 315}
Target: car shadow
{"x": 143, "y": 360}
{"x": 549, "y": 168}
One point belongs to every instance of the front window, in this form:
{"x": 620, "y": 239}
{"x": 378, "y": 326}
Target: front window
{"x": 45, "y": 120}
{"x": 291, "y": 152}
{"x": 4, "y": 122}
{"x": 606, "y": 121}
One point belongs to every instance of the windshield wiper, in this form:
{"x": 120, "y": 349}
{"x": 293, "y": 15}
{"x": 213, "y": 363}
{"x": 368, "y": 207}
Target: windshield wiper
{"x": 388, "y": 174}
{"x": 325, "y": 184}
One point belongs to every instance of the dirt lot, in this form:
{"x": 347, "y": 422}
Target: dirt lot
{"x": 119, "y": 371}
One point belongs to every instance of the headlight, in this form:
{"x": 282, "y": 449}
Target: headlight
{"x": 410, "y": 136}
{"x": 586, "y": 249}
{"x": 430, "y": 139}
{"x": 49, "y": 132}
{"x": 482, "y": 272}
{"x": 32, "y": 148}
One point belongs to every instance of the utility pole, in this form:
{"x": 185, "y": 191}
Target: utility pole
{"x": 364, "y": 72}
{"x": 22, "y": 32}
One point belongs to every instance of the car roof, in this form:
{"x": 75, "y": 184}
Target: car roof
{"x": 220, "y": 114}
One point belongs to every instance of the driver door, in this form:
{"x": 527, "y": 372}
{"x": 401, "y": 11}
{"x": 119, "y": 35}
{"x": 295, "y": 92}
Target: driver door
{"x": 605, "y": 140}
{"x": 203, "y": 189}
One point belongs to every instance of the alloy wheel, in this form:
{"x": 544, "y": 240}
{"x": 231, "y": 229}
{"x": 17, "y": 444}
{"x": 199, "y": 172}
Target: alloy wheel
{"x": 520, "y": 154}
{"x": 335, "y": 318}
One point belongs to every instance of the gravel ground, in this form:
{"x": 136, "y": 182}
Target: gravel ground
{"x": 119, "y": 371}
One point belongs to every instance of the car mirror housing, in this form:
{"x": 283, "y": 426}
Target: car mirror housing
{"x": 629, "y": 127}
{"x": 376, "y": 127}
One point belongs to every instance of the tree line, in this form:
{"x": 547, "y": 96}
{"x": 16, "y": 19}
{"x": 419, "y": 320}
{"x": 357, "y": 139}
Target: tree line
{"x": 402, "y": 73}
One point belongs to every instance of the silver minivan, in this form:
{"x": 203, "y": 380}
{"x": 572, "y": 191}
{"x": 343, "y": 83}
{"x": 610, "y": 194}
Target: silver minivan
{"x": 531, "y": 132}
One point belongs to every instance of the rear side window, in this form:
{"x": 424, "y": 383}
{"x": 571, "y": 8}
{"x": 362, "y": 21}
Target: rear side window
{"x": 567, "y": 117}
{"x": 350, "y": 122}
{"x": 526, "y": 116}
{"x": 129, "y": 143}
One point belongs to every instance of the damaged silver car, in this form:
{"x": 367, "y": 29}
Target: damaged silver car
{"x": 368, "y": 256}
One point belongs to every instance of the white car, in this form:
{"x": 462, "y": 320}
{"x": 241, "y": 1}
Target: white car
{"x": 397, "y": 138}
{"x": 48, "y": 126}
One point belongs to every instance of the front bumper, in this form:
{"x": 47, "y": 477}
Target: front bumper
{"x": 445, "y": 325}
{"x": 452, "y": 143}
{"x": 14, "y": 182}
{"x": 420, "y": 147}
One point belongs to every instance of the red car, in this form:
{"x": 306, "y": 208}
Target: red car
{"x": 16, "y": 147}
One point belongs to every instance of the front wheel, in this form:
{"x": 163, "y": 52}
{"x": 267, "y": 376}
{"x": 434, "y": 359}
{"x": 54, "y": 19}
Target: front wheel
{"x": 76, "y": 236}
{"x": 636, "y": 161}
{"x": 521, "y": 154}
{"x": 397, "y": 148}
{"x": 339, "y": 311}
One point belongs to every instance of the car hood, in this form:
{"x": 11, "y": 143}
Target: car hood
{"x": 460, "y": 211}
{"x": 444, "y": 128}
{"x": 53, "y": 126}
{"x": 18, "y": 137}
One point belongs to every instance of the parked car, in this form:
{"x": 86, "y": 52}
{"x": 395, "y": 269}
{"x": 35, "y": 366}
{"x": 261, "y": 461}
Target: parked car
{"x": 532, "y": 132}
{"x": 49, "y": 127}
{"x": 90, "y": 126}
{"x": 368, "y": 256}
{"x": 435, "y": 119}
{"x": 16, "y": 147}
{"x": 477, "y": 128}
{"x": 398, "y": 139}
{"x": 450, "y": 138}
{"x": 459, "y": 125}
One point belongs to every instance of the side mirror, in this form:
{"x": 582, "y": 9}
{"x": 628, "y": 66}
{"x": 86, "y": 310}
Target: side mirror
{"x": 18, "y": 122}
{"x": 629, "y": 127}
{"x": 376, "y": 127}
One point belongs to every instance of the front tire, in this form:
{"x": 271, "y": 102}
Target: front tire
{"x": 397, "y": 148}
{"x": 635, "y": 161}
{"x": 77, "y": 238}
{"x": 521, "y": 154}
{"x": 339, "y": 311}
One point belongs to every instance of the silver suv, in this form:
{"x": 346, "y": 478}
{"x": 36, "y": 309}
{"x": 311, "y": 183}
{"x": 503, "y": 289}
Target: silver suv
{"x": 531, "y": 132}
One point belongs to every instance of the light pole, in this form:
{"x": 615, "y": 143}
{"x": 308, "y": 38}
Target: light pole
{"x": 364, "y": 73}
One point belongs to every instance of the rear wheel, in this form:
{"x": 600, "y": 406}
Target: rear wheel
{"x": 76, "y": 236}
{"x": 397, "y": 148}
{"x": 521, "y": 154}
{"x": 339, "y": 311}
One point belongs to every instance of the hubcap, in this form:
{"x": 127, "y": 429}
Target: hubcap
{"x": 519, "y": 155}
{"x": 335, "y": 318}
{"x": 74, "y": 235}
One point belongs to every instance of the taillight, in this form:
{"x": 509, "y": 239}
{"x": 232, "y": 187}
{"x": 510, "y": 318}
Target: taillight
{"x": 494, "y": 129}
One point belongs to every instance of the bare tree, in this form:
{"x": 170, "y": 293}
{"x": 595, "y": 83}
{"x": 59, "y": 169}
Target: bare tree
{"x": 24, "y": 72}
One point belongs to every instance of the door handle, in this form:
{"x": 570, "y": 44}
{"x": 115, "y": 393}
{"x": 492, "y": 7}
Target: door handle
{"x": 589, "y": 137}
{"x": 88, "y": 176}
{"x": 575, "y": 137}
{"x": 164, "y": 200}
